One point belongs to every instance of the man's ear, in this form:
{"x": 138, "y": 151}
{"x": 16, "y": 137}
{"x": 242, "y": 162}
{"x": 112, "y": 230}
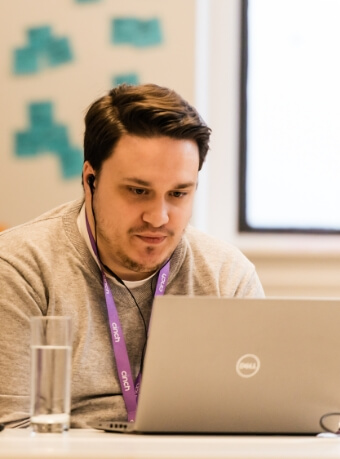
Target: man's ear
{"x": 88, "y": 176}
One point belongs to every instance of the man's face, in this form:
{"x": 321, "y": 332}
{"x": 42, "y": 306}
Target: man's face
{"x": 142, "y": 201}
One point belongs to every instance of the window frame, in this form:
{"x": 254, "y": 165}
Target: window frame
{"x": 242, "y": 222}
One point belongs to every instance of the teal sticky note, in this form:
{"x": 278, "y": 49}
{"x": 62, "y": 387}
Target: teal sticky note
{"x": 58, "y": 51}
{"x": 38, "y": 136}
{"x": 148, "y": 33}
{"x": 46, "y": 136}
{"x": 71, "y": 162}
{"x": 41, "y": 114}
{"x": 39, "y": 37}
{"x": 128, "y": 78}
{"x": 123, "y": 30}
{"x": 25, "y": 144}
{"x": 52, "y": 138}
{"x": 136, "y": 32}
{"x": 57, "y": 138}
{"x": 43, "y": 50}
{"x": 25, "y": 61}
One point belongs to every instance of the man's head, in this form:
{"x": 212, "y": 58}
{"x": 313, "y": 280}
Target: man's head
{"x": 144, "y": 147}
{"x": 145, "y": 111}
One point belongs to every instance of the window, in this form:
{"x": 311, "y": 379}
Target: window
{"x": 290, "y": 116}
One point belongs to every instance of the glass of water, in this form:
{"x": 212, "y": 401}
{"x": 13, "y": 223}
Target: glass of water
{"x": 51, "y": 359}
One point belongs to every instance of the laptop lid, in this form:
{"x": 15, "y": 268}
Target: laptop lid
{"x": 218, "y": 365}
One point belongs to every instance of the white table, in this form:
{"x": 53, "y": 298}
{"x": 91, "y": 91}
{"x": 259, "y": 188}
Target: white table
{"x": 84, "y": 444}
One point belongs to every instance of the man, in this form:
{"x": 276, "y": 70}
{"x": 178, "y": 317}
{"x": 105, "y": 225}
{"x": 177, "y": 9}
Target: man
{"x": 143, "y": 147}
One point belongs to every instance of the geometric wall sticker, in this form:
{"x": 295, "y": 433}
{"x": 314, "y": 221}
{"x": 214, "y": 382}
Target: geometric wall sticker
{"x": 44, "y": 135}
{"x": 136, "y": 32}
{"x": 42, "y": 50}
{"x": 128, "y": 78}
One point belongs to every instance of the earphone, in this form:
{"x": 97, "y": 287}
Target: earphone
{"x": 90, "y": 180}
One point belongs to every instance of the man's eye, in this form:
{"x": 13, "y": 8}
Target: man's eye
{"x": 178, "y": 194}
{"x": 138, "y": 191}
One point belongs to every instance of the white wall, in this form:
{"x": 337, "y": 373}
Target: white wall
{"x": 200, "y": 59}
{"x": 32, "y": 185}
{"x": 288, "y": 265}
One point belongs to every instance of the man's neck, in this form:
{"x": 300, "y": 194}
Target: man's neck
{"x": 127, "y": 279}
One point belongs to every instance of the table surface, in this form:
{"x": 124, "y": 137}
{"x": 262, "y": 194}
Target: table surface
{"x": 88, "y": 443}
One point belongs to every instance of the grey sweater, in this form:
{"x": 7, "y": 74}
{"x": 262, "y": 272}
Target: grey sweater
{"x": 46, "y": 268}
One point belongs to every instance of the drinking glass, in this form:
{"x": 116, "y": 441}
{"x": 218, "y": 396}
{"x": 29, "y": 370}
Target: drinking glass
{"x": 51, "y": 356}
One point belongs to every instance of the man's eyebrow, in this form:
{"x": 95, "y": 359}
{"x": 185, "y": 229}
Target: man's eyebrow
{"x": 182, "y": 186}
{"x": 138, "y": 181}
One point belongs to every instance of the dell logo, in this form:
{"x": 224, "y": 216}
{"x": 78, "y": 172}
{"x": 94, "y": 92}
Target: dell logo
{"x": 247, "y": 365}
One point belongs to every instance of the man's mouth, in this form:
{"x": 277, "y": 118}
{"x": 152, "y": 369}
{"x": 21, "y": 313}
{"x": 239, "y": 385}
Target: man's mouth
{"x": 153, "y": 239}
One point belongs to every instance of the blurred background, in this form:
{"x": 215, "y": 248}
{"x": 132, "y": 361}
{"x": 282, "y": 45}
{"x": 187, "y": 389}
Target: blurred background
{"x": 58, "y": 56}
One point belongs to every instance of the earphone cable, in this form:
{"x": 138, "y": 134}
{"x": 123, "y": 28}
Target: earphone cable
{"x": 324, "y": 426}
{"x": 121, "y": 282}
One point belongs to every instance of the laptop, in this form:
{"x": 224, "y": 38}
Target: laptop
{"x": 238, "y": 366}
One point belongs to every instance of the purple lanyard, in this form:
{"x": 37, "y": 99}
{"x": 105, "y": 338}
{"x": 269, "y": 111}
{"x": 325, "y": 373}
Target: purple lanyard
{"x": 130, "y": 389}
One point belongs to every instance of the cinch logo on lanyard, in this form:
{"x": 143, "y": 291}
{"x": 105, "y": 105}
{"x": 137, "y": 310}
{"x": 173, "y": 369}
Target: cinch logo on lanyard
{"x": 129, "y": 389}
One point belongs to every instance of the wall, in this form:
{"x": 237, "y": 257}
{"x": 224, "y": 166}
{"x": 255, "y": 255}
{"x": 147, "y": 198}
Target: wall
{"x": 199, "y": 57}
{"x": 299, "y": 275}
{"x": 288, "y": 265}
{"x": 70, "y": 78}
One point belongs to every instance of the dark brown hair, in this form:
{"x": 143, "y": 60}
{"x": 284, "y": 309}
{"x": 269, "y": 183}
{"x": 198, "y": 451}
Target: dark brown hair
{"x": 146, "y": 111}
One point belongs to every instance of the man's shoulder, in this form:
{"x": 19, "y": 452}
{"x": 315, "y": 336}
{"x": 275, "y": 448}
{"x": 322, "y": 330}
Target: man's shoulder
{"x": 41, "y": 227}
{"x": 209, "y": 245}
{"x": 215, "y": 267}
{"x": 65, "y": 209}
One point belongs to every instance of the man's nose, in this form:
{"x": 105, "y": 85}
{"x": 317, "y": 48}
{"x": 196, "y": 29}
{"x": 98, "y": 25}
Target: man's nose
{"x": 157, "y": 213}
